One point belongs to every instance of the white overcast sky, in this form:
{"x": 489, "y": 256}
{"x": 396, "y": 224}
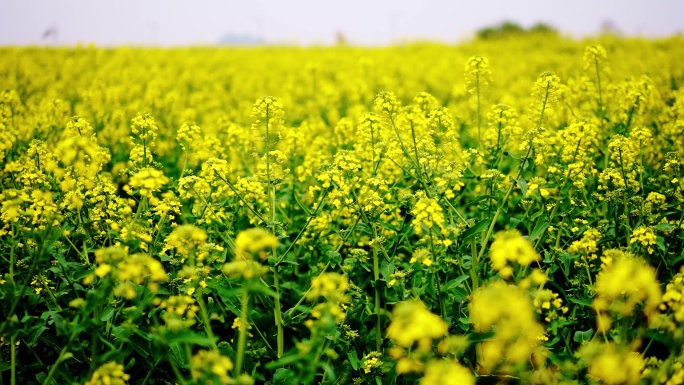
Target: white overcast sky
{"x": 305, "y": 22}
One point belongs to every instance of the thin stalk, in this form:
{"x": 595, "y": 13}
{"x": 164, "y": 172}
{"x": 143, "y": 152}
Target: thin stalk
{"x": 52, "y": 296}
{"x": 205, "y": 320}
{"x": 479, "y": 117}
{"x": 376, "y": 277}
{"x": 473, "y": 264}
{"x": 624, "y": 198}
{"x": 60, "y": 358}
{"x": 598, "y": 82}
{"x": 242, "y": 336}
{"x": 185, "y": 165}
{"x": 415, "y": 151}
{"x": 586, "y": 265}
{"x": 174, "y": 368}
{"x": 442, "y": 312}
{"x": 144, "y": 142}
{"x": 32, "y": 269}
{"x": 13, "y": 361}
{"x": 277, "y": 311}
{"x": 344, "y": 240}
{"x": 631, "y": 113}
{"x": 230, "y": 185}
{"x": 504, "y": 200}
{"x": 12, "y": 262}
{"x": 311, "y": 217}
{"x": 510, "y": 189}
{"x": 406, "y": 154}
{"x": 278, "y": 314}
{"x": 149, "y": 373}
{"x": 495, "y": 156}
{"x": 551, "y": 217}
{"x": 370, "y": 124}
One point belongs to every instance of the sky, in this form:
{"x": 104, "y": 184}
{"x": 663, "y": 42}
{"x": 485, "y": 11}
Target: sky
{"x": 315, "y": 22}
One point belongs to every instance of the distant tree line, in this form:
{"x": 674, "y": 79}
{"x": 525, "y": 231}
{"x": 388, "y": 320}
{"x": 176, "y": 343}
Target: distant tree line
{"x": 509, "y": 28}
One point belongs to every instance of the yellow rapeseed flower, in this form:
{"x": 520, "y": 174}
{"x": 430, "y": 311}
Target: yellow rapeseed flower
{"x": 444, "y": 372}
{"x": 110, "y": 373}
{"x": 511, "y": 246}
{"x": 412, "y": 322}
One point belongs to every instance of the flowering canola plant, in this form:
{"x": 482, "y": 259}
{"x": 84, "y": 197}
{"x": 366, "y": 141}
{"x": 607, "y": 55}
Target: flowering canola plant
{"x": 504, "y": 210}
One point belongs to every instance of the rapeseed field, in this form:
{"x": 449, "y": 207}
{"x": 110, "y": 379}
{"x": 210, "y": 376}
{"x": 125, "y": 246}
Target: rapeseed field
{"x": 500, "y": 211}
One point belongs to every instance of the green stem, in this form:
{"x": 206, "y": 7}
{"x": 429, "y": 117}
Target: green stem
{"x": 278, "y": 314}
{"x": 436, "y": 277}
{"x": 370, "y": 124}
{"x": 277, "y": 311}
{"x": 479, "y": 124}
{"x": 586, "y": 265}
{"x": 175, "y": 369}
{"x": 631, "y": 113}
{"x": 520, "y": 170}
{"x": 376, "y": 277}
{"x": 84, "y": 257}
{"x": 185, "y": 165}
{"x": 406, "y": 154}
{"x": 242, "y": 337}
{"x": 230, "y": 185}
{"x": 415, "y": 151}
{"x": 205, "y": 320}
{"x": 60, "y": 358}
{"x": 144, "y": 142}
{"x": 598, "y": 81}
{"x": 12, "y": 262}
{"x": 13, "y": 361}
{"x": 504, "y": 200}
{"x": 311, "y": 217}
{"x": 473, "y": 265}
{"x": 52, "y": 297}
{"x": 149, "y": 373}
{"x": 344, "y": 240}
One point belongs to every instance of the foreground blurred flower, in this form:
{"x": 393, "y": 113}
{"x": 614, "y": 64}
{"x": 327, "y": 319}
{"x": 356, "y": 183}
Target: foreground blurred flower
{"x": 110, "y": 373}
{"x": 624, "y": 283}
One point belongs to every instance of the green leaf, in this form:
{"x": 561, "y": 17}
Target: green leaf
{"x": 283, "y": 376}
{"x": 581, "y": 336}
{"x": 537, "y": 214}
{"x": 188, "y": 337}
{"x": 478, "y": 337}
{"x": 107, "y": 313}
{"x": 334, "y": 257}
{"x": 353, "y": 359}
{"x": 539, "y": 229}
{"x": 386, "y": 269}
{"x": 287, "y": 359}
{"x": 660, "y": 242}
{"x": 479, "y": 199}
{"x": 177, "y": 354}
{"x": 664, "y": 227}
{"x": 458, "y": 294}
{"x": 36, "y": 333}
{"x": 584, "y": 302}
{"x": 454, "y": 283}
{"x": 476, "y": 228}
{"x": 523, "y": 186}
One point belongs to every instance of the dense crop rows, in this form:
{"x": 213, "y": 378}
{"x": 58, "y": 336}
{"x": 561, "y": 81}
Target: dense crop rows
{"x": 505, "y": 210}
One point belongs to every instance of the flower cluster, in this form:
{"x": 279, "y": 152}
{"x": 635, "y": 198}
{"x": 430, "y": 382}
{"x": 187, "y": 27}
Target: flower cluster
{"x": 507, "y": 311}
{"x": 110, "y": 373}
{"x": 511, "y": 246}
{"x": 625, "y": 282}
